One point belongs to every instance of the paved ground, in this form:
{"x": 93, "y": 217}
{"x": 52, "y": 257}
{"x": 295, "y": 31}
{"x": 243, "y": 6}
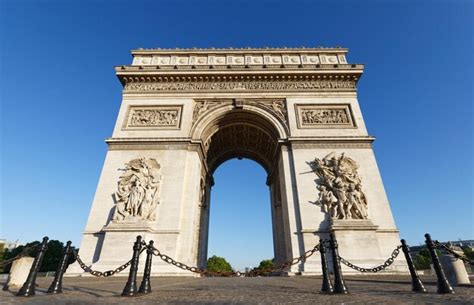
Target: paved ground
{"x": 264, "y": 290}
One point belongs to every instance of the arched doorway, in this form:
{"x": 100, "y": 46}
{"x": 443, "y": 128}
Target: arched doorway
{"x": 240, "y": 222}
{"x": 246, "y": 131}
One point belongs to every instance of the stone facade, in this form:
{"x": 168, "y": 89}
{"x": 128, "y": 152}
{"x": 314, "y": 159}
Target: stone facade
{"x": 184, "y": 112}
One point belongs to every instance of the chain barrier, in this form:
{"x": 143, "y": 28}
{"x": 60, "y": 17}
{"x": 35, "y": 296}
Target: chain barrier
{"x": 440, "y": 246}
{"x": 104, "y": 273}
{"x": 252, "y": 273}
{"x": 381, "y": 267}
{"x": 22, "y": 254}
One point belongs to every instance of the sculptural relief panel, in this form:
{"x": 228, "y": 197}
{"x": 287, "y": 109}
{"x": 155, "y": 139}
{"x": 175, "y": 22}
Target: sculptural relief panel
{"x": 324, "y": 116}
{"x": 158, "y": 117}
{"x": 138, "y": 191}
{"x": 340, "y": 187}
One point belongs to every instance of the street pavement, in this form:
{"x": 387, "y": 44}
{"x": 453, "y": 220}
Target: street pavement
{"x": 384, "y": 289}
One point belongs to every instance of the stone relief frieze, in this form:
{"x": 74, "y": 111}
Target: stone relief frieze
{"x": 340, "y": 187}
{"x": 138, "y": 191}
{"x": 324, "y": 116}
{"x": 154, "y": 116}
{"x": 310, "y": 85}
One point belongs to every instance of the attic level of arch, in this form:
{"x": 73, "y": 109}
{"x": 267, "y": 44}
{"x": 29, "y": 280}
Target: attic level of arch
{"x": 239, "y": 70}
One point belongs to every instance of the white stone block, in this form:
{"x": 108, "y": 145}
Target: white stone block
{"x": 19, "y": 272}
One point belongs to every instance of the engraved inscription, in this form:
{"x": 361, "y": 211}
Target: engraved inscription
{"x": 324, "y": 116}
{"x": 154, "y": 116}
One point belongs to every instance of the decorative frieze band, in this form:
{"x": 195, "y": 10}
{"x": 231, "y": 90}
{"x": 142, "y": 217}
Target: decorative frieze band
{"x": 239, "y": 59}
{"x": 324, "y": 116}
{"x": 159, "y": 117}
{"x": 241, "y": 86}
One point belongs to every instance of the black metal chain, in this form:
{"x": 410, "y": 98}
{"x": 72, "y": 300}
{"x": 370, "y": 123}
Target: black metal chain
{"x": 103, "y": 273}
{"x": 381, "y": 267}
{"x": 254, "y": 272}
{"x": 285, "y": 265}
{"x": 440, "y": 246}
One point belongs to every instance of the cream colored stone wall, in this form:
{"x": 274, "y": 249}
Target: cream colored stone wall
{"x": 317, "y": 113}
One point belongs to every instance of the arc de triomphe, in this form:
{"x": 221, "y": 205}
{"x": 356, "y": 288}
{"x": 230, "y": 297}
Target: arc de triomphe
{"x": 186, "y": 111}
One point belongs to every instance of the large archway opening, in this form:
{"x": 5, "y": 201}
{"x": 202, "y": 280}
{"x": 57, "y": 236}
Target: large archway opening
{"x": 240, "y": 222}
{"x": 231, "y": 133}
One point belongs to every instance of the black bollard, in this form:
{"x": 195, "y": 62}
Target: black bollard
{"x": 28, "y": 288}
{"x": 130, "y": 288}
{"x": 416, "y": 284}
{"x": 145, "y": 287}
{"x": 327, "y": 286}
{"x": 339, "y": 285}
{"x": 443, "y": 284}
{"x": 57, "y": 284}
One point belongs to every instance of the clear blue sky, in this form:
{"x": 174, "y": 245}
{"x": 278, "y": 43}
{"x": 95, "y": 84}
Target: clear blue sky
{"x": 59, "y": 100}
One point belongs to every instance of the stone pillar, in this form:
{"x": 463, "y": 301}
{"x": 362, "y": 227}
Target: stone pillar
{"x": 19, "y": 273}
{"x": 455, "y": 270}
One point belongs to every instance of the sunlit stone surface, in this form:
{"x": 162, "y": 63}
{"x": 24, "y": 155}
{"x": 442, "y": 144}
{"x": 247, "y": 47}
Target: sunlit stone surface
{"x": 184, "y": 112}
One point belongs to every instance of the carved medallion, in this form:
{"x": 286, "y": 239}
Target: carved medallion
{"x": 138, "y": 191}
{"x": 340, "y": 188}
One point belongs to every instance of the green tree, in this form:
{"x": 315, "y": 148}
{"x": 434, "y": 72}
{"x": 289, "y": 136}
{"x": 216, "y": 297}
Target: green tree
{"x": 51, "y": 259}
{"x": 469, "y": 253}
{"x": 218, "y": 264}
{"x": 423, "y": 260}
{"x": 266, "y": 264}
{"x": 2, "y": 256}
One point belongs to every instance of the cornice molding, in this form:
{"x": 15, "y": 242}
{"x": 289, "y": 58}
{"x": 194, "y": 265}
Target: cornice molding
{"x": 331, "y": 142}
{"x": 239, "y": 50}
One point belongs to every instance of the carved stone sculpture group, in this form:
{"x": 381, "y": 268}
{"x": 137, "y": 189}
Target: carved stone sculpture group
{"x": 340, "y": 189}
{"x": 153, "y": 117}
{"x": 138, "y": 191}
{"x": 324, "y": 116}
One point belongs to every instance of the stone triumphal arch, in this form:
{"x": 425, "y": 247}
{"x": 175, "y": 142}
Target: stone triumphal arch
{"x": 185, "y": 111}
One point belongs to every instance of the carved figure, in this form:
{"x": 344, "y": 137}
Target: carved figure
{"x": 278, "y": 107}
{"x": 324, "y": 116}
{"x": 340, "y": 188}
{"x": 327, "y": 200}
{"x": 137, "y": 191}
{"x": 153, "y": 117}
{"x": 201, "y": 107}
